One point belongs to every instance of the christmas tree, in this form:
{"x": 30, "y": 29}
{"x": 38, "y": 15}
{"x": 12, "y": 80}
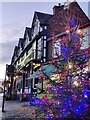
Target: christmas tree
{"x": 67, "y": 97}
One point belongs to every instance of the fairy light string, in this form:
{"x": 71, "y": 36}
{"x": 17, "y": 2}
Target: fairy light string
{"x": 71, "y": 93}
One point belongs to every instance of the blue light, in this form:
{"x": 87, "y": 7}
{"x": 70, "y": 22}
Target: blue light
{"x": 32, "y": 102}
{"x": 64, "y": 113}
{"x": 48, "y": 117}
{"x": 65, "y": 52}
{"x": 76, "y": 36}
{"x": 72, "y": 22}
{"x": 78, "y": 110}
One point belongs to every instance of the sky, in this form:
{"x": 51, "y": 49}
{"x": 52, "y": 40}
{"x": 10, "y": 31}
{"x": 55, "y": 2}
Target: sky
{"x": 15, "y": 16}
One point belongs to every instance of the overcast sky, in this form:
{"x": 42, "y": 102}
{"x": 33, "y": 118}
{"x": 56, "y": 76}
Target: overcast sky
{"x": 15, "y": 17}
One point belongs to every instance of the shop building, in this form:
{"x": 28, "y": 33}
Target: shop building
{"x": 37, "y": 48}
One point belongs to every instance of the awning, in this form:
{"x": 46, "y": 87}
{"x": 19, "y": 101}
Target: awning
{"x": 46, "y": 70}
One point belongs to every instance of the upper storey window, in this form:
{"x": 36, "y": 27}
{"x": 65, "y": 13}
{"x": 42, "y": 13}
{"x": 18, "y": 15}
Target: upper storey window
{"x": 56, "y": 49}
{"x": 85, "y": 40}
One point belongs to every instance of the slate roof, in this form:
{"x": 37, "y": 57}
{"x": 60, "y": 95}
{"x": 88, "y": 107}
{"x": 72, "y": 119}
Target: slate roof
{"x": 43, "y": 17}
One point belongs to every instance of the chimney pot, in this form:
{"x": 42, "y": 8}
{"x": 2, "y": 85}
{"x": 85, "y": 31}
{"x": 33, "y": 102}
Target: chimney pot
{"x": 56, "y": 9}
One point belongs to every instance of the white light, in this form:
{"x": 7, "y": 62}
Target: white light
{"x": 85, "y": 96}
{"x": 70, "y": 65}
{"x": 67, "y": 31}
{"x": 76, "y": 83}
{"x": 78, "y": 31}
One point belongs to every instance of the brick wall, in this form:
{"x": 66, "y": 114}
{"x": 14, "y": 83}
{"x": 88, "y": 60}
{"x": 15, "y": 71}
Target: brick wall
{"x": 58, "y": 22}
{"x": 49, "y": 50}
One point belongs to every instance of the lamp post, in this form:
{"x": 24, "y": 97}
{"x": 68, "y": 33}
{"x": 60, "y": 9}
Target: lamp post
{"x": 3, "y": 102}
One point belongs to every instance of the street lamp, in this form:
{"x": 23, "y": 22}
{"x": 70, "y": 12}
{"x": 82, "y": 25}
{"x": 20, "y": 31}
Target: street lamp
{"x": 3, "y": 102}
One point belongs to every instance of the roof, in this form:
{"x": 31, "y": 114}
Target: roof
{"x": 43, "y": 17}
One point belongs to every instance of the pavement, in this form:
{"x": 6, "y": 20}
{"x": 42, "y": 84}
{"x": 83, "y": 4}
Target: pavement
{"x": 15, "y": 110}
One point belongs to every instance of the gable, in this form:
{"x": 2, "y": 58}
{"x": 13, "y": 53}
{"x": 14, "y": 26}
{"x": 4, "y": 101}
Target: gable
{"x": 34, "y": 20}
{"x": 58, "y": 22}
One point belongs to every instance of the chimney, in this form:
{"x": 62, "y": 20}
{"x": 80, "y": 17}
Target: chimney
{"x": 56, "y": 9}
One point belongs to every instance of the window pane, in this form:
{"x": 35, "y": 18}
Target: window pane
{"x": 44, "y": 37}
{"x": 44, "y": 52}
{"x": 56, "y": 51}
{"x": 84, "y": 41}
{"x": 39, "y": 48}
{"x": 44, "y": 43}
